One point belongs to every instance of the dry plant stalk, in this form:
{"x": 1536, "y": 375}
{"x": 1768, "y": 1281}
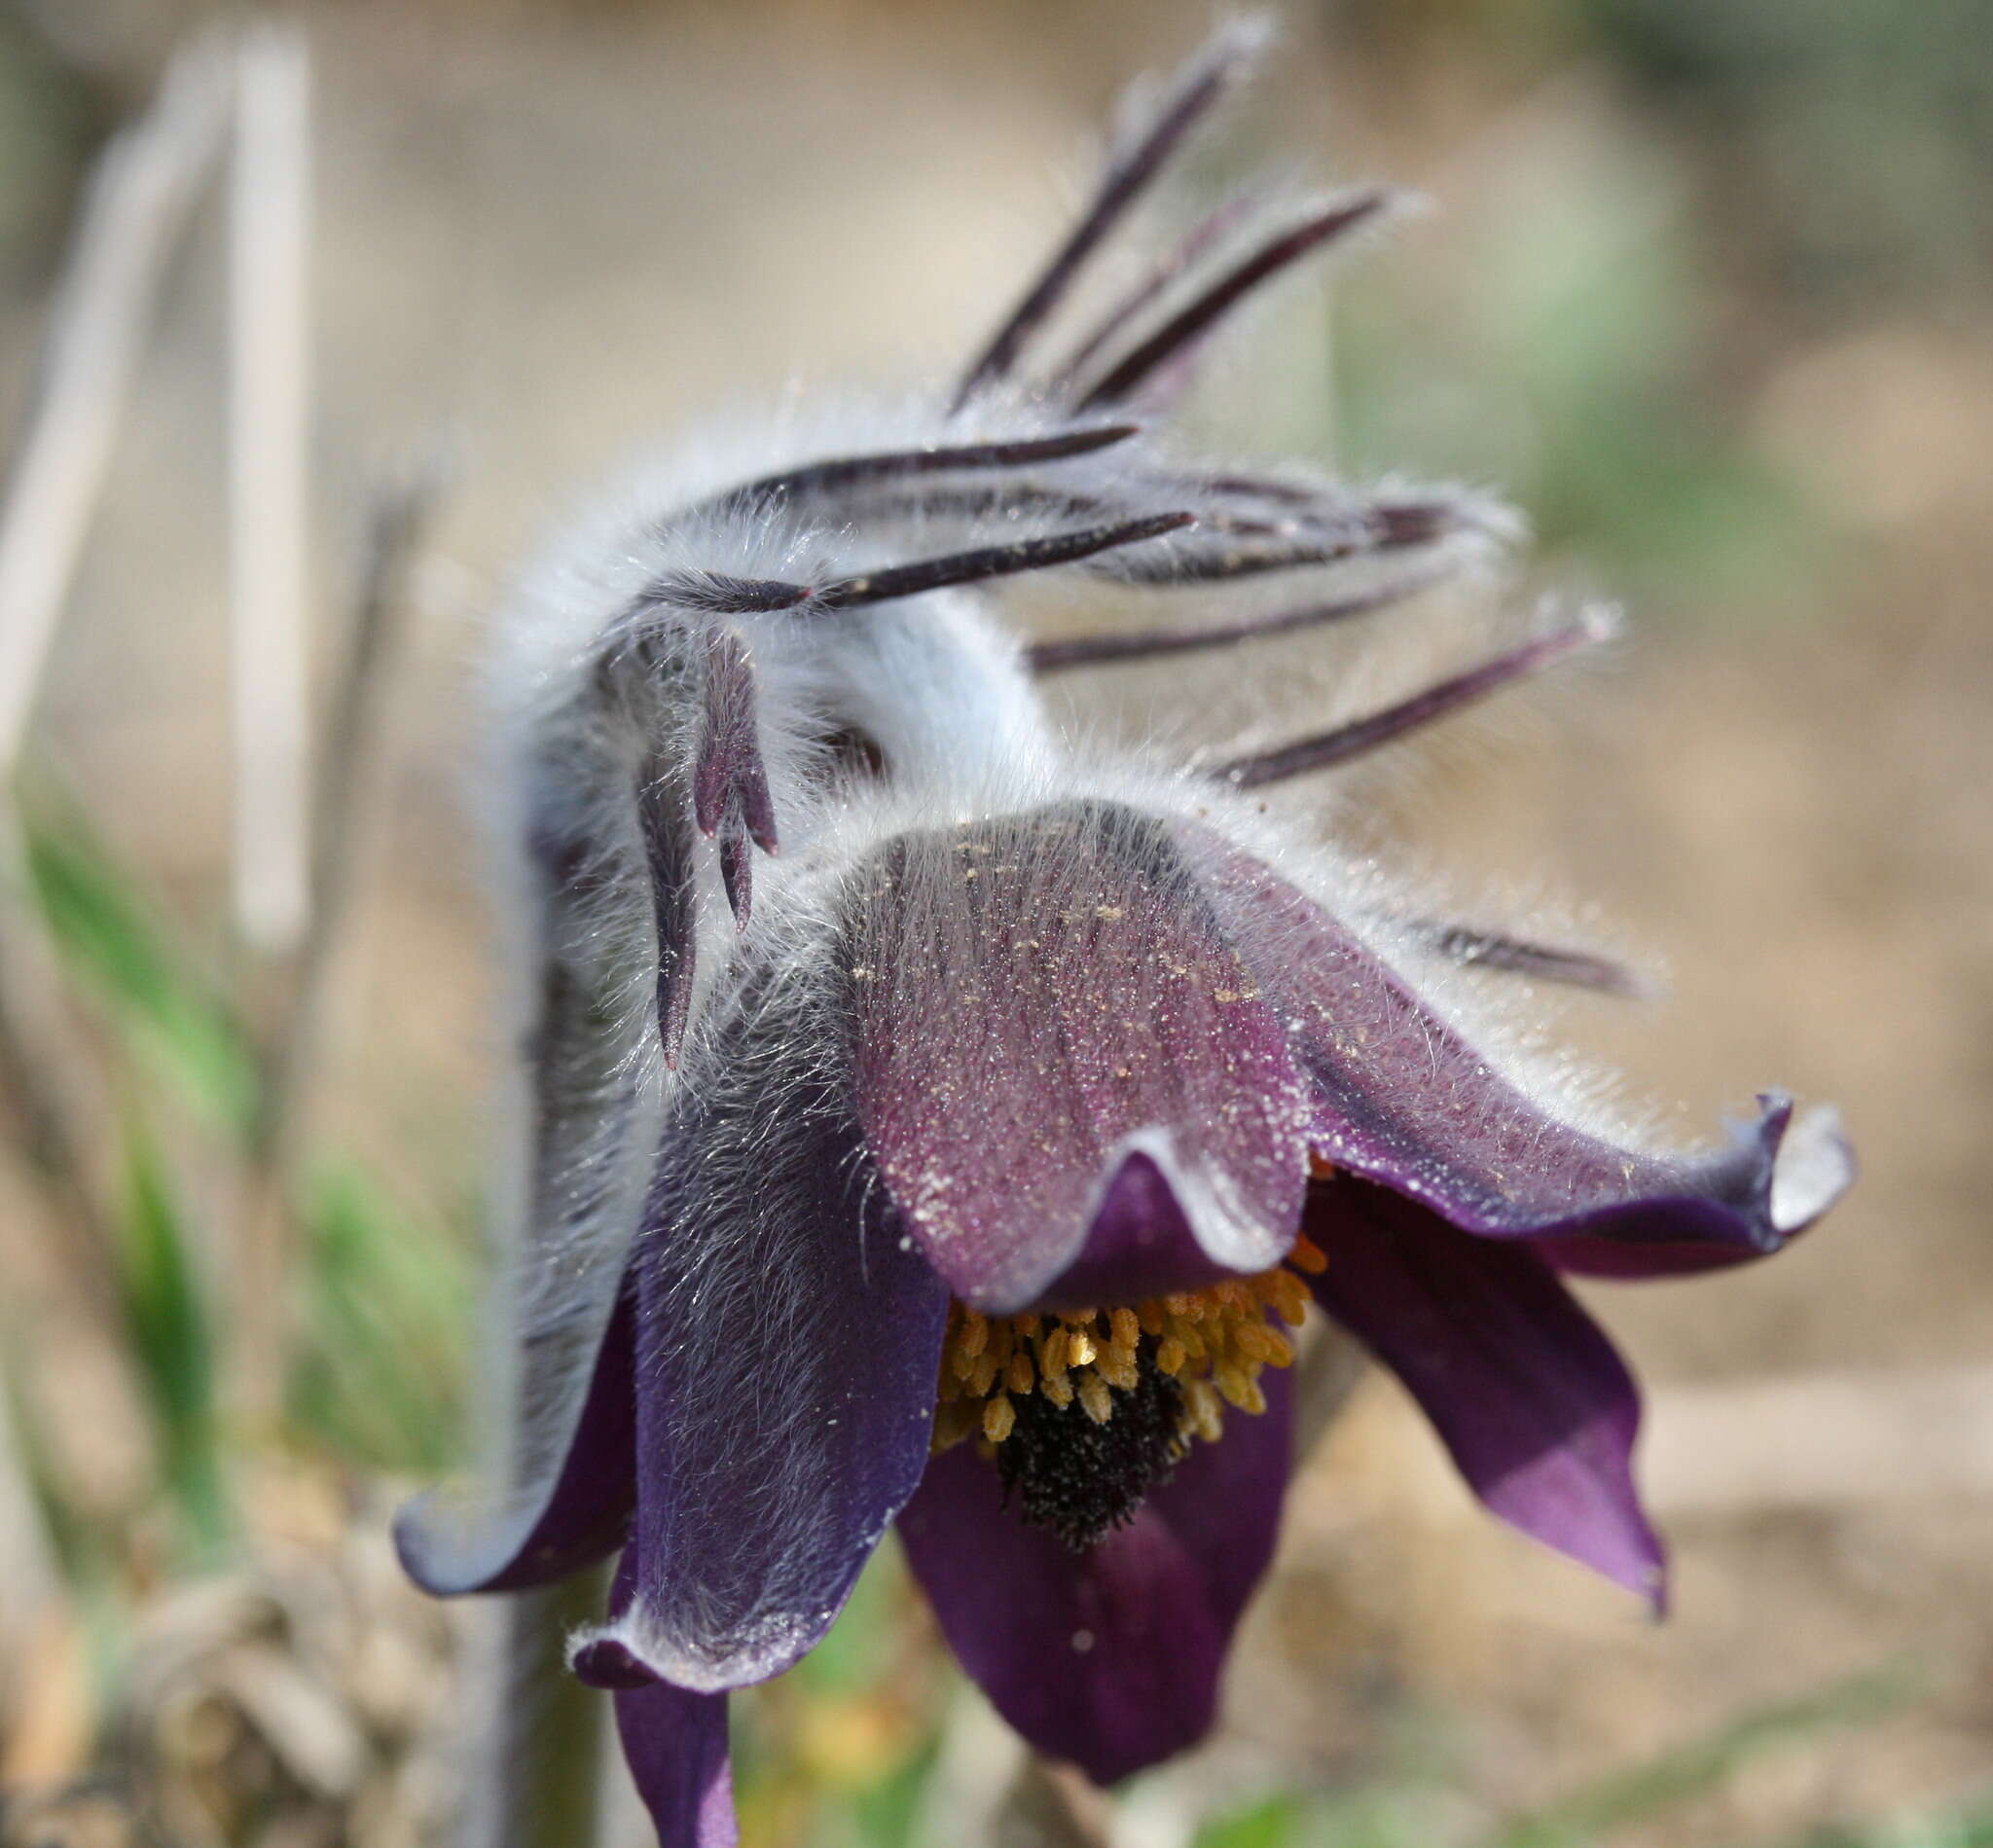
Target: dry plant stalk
{"x": 134, "y": 218}
{"x": 269, "y": 419}
{"x": 135, "y": 214}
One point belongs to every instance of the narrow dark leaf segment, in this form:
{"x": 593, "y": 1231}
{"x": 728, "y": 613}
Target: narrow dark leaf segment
{"x": 1143, "y": 645}
{"x": 1193, "y": 95}
{"x": 895, "y": 465}
{"x": 1518, "y": 956}
{"x": 1326, "y": 750}
{"x": 741, "y": 596}
{"x": 1319, "y": 227}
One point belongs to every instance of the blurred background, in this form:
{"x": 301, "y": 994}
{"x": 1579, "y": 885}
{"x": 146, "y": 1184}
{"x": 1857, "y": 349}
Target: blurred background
{"x": 1706, "y": 294}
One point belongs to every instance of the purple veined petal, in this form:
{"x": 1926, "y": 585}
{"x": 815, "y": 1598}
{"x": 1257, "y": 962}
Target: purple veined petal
{"x": 1055, "y": 1042}
{"x": 1535, "y": 1408}
{"x": 581, "y": 1516}
{"x": 1402, "y": 1099}
{"x": 789, "y": 1348}
{"x": 1110, "y": 1659}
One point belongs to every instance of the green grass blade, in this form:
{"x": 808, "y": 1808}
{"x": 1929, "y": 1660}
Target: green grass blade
{"x": 381, "y": 1374}
{"x": 171, "y": 1347}
{"x": 111, "y": 939}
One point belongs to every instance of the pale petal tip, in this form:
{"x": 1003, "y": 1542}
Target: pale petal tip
{"x": 632, "y": 1650}
{"x": 1814, "y": 1167}
{"x": 422, "y": 1530}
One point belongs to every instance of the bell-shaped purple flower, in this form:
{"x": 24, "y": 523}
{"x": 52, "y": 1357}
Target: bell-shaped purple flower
{"x": 973, "y": 1165}
{"x": 1076, "y": 1068}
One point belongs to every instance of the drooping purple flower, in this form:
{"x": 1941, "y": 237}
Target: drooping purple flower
{"x": 970, "y": 1165}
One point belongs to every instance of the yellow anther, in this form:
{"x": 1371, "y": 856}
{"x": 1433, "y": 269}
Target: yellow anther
{"x": 1118, "y": 1369}
{"x": 1287, "y": 1295}
{"x": 1255, "y": 1341}
{"x": 1238, "y": 1386}
{"x": 1213, "y": 1343}
{"x": 1307, "y": 1256}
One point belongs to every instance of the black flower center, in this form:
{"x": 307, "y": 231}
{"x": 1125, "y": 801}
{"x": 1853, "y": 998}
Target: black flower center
{"x": 1083, "y": 1478}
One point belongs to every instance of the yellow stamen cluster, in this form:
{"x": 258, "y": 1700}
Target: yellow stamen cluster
{"x": 1213, "y": 1342}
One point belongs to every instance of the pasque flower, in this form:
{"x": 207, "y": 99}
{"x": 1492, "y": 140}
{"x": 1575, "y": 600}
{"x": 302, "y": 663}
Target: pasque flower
{"x": 977, "y": 1163}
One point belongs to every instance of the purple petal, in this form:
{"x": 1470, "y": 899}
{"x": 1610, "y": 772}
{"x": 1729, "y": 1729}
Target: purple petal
{"x": 556, "y": 1490}
{"x": 1536, "y": 1409}
{"x": 1056, "y": 1041}
{"x": 1109, "y": 1658}
{"x": 787, "y": 1350}
{"x": 1402, "y": 1099}
{"x": 1803, "y": 1164}
{"x": 1143, "y": 1238}
{"x": 674, "y": 1741}
{"x": 580, "y": 1516}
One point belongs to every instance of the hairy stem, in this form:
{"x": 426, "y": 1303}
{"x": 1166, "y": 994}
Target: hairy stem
{"x": 533, "y": 1769}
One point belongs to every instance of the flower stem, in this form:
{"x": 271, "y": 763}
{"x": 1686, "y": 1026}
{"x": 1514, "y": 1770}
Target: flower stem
{"x": 1053, "y": 1806}
{"x": 534, "y": 1777}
